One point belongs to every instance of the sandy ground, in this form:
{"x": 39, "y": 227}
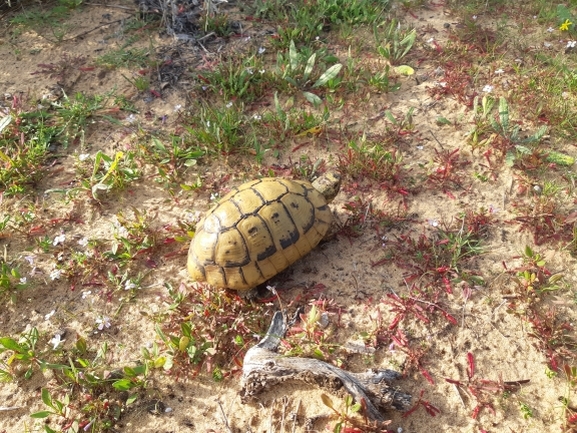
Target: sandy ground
{"x": 343, "y": 265}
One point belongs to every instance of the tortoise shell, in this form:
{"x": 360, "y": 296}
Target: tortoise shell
{"x": 259, "y": 229}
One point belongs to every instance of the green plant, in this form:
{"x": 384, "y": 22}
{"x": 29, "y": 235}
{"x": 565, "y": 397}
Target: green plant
{"x": 382, "y": 82}
{"x": 24, "y": 142}
{"x": 296, "y": 68}
{"x": 218, "y": 129}
{"x": 345, "y": 416}
{"x": 111, "y": 173}
{"x": 60, "y": 408}
{"x": 394, "y": 42}
{"x": 236, "y": 79}
{"x": 11, "y": 280}
{"x": 125, "y": 57}
{"x": 140, "y": 82}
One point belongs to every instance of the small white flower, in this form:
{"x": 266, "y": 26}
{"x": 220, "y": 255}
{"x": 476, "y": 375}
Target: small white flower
{"x": 49, "y": 315}
{"x": 565, "y": 95}
{"x": 213, "y": 196}
{"x": 204, "y": 87}
{"x": 257, "y": 117}
{"x": 103, "y": 322}
{"x": 419, "y": 147}
{"x": 441, "y": 84}
{"x": 56, "y": 341}
{"x": 23, "y": 280}
{"x": 550, "y": 29}
{"x": 488, "y": 88}
{"x": 547, "y": 44}
{"x": 177, "y": 107}
{"x": 131, "y": 118}
{"x": 208, "y": 123}
{"x": 86, "y": 293}
{"x": 534, "y": 17}
{"x": 83, "y": 242}
{"x": 499, "y": 72}
{"x": 55, "y": 274}
{"x": 129, "y": 285}
{"x": 433, "y": 223}
{"x": 59, "y": 239}
{"x": 261, "y": 50}
{"x": 262, "y": 71}
{"x": 430, "y": 40}
{"x": 83, "y": 156}
{"x": 29, "y": 259}
{"x": 317, "y": 38}
{"x": 474, "y": 17}
{"x": 571, "y": 44}
{"x": 229, "y": 105}
{"x": 60, "y": 256}
{"x": 249, "y": 70}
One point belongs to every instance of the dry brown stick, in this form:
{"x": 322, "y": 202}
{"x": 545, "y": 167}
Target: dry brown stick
{"x": 263, "y": 367}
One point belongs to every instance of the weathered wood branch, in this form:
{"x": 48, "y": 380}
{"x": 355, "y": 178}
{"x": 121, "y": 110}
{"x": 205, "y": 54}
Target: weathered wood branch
{"x": 264, "y": 367}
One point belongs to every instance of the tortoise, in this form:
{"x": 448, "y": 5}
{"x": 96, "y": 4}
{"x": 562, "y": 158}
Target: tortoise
{"x": 259, "y": 229}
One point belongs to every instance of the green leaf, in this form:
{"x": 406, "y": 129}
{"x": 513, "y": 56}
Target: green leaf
{"x": 46, "y": 398}
{"x": 408, "y": 40}
{"x": 5, "y": 121}
{"x": 560, "y": 159}
{"x": 523, "y": 149}
{"x": 293, "y": 56}
{"x": 41, "y": 414}
{"x": 131, "y": 399}
{"x": 510, "y": 159}
{"x": 330, "y": 73}
{"x": 11, "y": 344}
{"x": 122, "y": 385}
{"x": 504, "y": 114}
{"x": 404, "y": 70}
{"x": 327, "y": 401}
{"x": 309, "y": 66}
{"x": 312, "y": 98}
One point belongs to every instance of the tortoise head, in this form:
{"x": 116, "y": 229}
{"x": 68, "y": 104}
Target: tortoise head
{"x": 328, "y": 185}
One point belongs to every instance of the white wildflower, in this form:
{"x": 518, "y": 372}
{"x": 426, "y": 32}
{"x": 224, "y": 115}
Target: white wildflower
{"x": 488, "y": 88}
{"x": 55, "y": 274}
{"x": 129, "y": 285}
{"x": 55, "y": 341}
{"x": 499, "y": 72}
{"x": 83, "y": 156}
{"x": 261, "y": 50}
{"x": 49, "y": 315}
{"x": 103, "y": 322}
{"x": 83, "y": 242}
{"x": 59, "y": 239}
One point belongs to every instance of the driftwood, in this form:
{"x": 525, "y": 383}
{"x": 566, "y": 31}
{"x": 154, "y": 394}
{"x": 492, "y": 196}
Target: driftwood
{"x": 263, "y": 367}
